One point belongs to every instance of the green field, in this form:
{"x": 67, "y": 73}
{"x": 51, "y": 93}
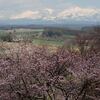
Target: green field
{"x": 36, "y": 36}
{"x": 39, "y": 41}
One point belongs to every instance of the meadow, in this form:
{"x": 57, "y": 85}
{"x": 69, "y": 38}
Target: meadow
{"x": 35, "y": 35}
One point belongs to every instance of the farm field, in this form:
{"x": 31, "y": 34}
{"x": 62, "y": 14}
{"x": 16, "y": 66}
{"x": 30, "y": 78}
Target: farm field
{"x": 51, "y": 42}
{"x": 35, "y": 35}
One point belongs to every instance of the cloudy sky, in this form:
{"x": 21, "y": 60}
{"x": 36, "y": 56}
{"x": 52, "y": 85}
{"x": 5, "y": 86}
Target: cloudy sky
{"x": 50, "y": 9}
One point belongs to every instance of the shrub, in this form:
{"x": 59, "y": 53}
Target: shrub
{"x": 32, "y": 73}
{"x": 6, "y": 37}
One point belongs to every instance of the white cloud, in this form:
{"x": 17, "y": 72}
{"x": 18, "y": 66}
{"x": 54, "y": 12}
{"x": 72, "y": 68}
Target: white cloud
{"x": 49, "y": 10}
{"x": 49, "y": 18}
{"x": 75, "y": 12}
{"x": 46, "y": 14}
{"x": 27, "y": 14}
